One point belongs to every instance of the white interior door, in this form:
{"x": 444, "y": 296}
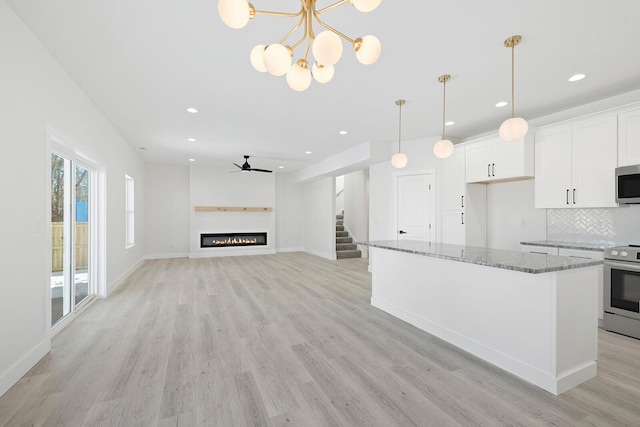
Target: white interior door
{"x": 414, "y": 207}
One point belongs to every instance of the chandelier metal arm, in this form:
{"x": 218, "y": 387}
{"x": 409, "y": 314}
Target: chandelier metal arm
{"x": 333, "y": 30}
{"x": 283, "y": 14}
{"x": 293, "y": 30}
{"x": 333, "y": 6}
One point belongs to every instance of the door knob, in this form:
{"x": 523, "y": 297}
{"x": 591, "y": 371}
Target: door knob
{"x": 402, "y": 232}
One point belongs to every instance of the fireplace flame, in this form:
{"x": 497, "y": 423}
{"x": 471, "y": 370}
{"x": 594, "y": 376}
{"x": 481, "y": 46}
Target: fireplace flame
{"x": 229, "y": 241}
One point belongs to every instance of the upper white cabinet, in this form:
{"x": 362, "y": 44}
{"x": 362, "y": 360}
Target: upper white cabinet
{"x": 491, "y": 159}
{"x": 629, "y": 138}
{"x": 575, "y": 165}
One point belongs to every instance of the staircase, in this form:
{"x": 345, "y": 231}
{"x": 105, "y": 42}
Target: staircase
{"x": 345, "y": 248}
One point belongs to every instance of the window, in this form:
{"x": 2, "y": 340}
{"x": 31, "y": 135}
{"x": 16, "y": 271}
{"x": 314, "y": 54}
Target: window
{"x": 130, "y": 212}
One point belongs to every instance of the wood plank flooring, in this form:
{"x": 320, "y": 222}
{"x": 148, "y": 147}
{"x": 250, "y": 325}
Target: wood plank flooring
{"x": 286, "y": 340}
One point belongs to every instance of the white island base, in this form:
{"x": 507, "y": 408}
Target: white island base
{"x": 540, "y": 327}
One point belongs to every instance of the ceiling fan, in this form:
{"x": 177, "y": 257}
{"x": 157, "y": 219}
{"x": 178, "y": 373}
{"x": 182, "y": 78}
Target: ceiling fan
{"x": 246, "y": 167}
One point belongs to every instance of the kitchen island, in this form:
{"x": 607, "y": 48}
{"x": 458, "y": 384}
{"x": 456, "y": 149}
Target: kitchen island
{"x": 533, "y": 315}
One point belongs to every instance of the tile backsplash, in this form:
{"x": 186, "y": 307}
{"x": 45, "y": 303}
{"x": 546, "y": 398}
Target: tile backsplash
{"x": 608, "y": 226}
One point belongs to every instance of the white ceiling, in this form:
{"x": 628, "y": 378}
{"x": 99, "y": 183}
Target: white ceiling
{"x": 143, "y": 62}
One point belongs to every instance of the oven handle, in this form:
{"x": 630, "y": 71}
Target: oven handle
{"x": 629, "y": 266}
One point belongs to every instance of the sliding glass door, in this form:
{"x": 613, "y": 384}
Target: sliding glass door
{"x": 71, "y": 217}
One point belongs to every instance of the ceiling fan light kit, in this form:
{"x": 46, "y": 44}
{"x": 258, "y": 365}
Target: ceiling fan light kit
{"x": 326, "y": 46}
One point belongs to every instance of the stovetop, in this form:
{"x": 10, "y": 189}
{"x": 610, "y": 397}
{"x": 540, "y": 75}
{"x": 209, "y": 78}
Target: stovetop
{"x": 629, "y": 253}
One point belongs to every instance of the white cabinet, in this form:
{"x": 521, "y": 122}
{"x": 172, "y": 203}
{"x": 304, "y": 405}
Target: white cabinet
{"x": 534, "y": 249}
{"x": 629, "y": 138}
{"x": 491, "y": 159}
{"x": 575, "y": 165}
{"x": 463, "y": 205}
{"x": 590, "y": 255}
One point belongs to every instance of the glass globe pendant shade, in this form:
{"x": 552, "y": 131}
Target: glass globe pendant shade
{"x": 443, "y": 148}
{"x": 399, "y": 160}
{"x": 365, "y": 5}
{"x": 368, "y": 49}
{"x": 234, "y": 13}
{"x": 277, "y": 59}
{"x": 257, "y": 58}
{"x": 323, "y": 73}
{"x": 327, "y": 48}
{"x": 299, "y": 76}
{"x": 513, "y": 129}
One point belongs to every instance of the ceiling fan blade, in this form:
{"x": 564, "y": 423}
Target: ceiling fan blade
{"x": 260, "y": 170}
{"x": 238, "y": 166}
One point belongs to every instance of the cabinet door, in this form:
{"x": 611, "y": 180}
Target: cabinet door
{"x": 512, "y": 159}
{"x": 478, "y": 162}
{"x": 453, "y": 182}
{"x": 553, "y": 168}
{"x": 629, "y": 138}
{"x": 453, "y": 227}
{"x": 594, "y": 148}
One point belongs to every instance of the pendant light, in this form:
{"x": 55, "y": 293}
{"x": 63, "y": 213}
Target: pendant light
{"x": 514, "y": 128}
{"x": 443, "y": 148}
{"x": 399, "y": 160}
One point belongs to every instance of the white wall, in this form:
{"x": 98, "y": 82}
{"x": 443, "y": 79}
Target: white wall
{"x": 167, "y": 220}
{"x": 511, "y": 217}
{"x": 356, "y": 210}
{"x": 37, "y": 93}
{"x": 319, "y": 217}
{"x": 289, "y": 215}
{"x": 215, "y": 187}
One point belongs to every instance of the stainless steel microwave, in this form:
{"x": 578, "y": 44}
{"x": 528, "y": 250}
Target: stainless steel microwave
{"x": 628, "y": 184}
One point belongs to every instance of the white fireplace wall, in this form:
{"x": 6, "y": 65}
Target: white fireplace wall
{"x": 217, "y": 187}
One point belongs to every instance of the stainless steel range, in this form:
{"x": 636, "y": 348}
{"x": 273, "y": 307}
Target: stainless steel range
{"x": 622, "y": 290}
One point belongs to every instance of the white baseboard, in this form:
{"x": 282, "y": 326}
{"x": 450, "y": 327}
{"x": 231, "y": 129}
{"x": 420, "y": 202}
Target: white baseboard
{"x": 278, "y": 250}
{"x": 331, "y": 256}
{"x": 231, "y": 252}
{"x": 168, "y": 255}
{"x": 114, "y": 285}
{"x": 13, "y": 374}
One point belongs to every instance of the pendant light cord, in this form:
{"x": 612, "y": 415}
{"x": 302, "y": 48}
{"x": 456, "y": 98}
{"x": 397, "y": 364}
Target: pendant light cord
{"x": 513, "y": 97}
{"x": 444, "y": 104}
{"x": 400, "y": 127}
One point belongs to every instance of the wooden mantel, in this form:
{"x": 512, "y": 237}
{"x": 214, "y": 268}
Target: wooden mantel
{"x": 231, "y": 209}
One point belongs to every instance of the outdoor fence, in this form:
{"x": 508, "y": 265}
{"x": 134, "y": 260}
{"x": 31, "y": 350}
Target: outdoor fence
{"x": 57, "y": 246}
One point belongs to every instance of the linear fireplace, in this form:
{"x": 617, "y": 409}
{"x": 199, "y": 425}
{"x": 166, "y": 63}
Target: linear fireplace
{"x": 220, "y": 240}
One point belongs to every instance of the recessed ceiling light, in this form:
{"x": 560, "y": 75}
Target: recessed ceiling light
{"x": 191, "y": 140}
{"x": 192, "y": 160}
{"x": 502, "y": 104}
{"x": 280, "y": 167}
{"x": 450, "y": 123}
{"x": 577, "y": 77}
{"x": 192, "y": 110}
{"x": 307, "y": 152}
{"x": 343, "y": 132}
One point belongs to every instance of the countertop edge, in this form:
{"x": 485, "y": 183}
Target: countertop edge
{"x": 567, "y": 245}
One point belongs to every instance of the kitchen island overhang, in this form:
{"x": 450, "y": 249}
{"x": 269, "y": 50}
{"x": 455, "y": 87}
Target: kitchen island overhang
{"x": 533, "y": 315}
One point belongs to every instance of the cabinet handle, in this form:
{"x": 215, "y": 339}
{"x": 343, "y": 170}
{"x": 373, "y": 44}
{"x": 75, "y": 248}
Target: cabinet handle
{"x": 462, "y": 201}
{"x": 574, "y": 196}
{"x": 567, "y": 196}
{"x": 489, "y": 170}
{"x": 493, "y": 169}
{"x": 462, "y": 218}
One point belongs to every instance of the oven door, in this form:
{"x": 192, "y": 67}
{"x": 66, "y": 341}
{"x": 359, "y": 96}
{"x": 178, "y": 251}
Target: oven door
{"x": 622, "y": 288}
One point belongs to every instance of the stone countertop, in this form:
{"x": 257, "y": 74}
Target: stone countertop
{"x": 524, "y": 262}
{"x": 599, "y": 247}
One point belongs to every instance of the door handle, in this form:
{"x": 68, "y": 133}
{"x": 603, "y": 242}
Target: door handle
{"x": 402, "y": 232}
{"x": 493, "y": 169}
{"x": 574, "y": 196}
{"x": 489, "y": 170}
{"x": 567, "y": 196}
{"x": 462, "y": 201}
{"x": 462, "y": 218}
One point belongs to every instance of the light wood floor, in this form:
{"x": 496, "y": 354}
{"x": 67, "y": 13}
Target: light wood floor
{"x": 286, "y": 340}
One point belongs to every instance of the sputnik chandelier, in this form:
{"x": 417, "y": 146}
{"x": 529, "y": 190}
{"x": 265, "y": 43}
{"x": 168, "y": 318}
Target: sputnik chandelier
{"x": 326, "y": 46}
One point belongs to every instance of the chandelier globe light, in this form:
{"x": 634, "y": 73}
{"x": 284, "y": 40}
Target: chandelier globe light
{"x": 399, "y": 160}
{"x": 326, "y": 47}
{"x": 514, "y": 128}
{"x": 443, "y": 148}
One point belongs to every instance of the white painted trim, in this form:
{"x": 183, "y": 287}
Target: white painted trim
{"x": 168, "y": 255}
{"x": 219, "y": 252}
{"x": 283, "y": 250}
{"x": 118, "y": 281}
{"x": 432, "y": 202}
{"x": 331, "y": 256}
{"x": 16, "y": 371}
